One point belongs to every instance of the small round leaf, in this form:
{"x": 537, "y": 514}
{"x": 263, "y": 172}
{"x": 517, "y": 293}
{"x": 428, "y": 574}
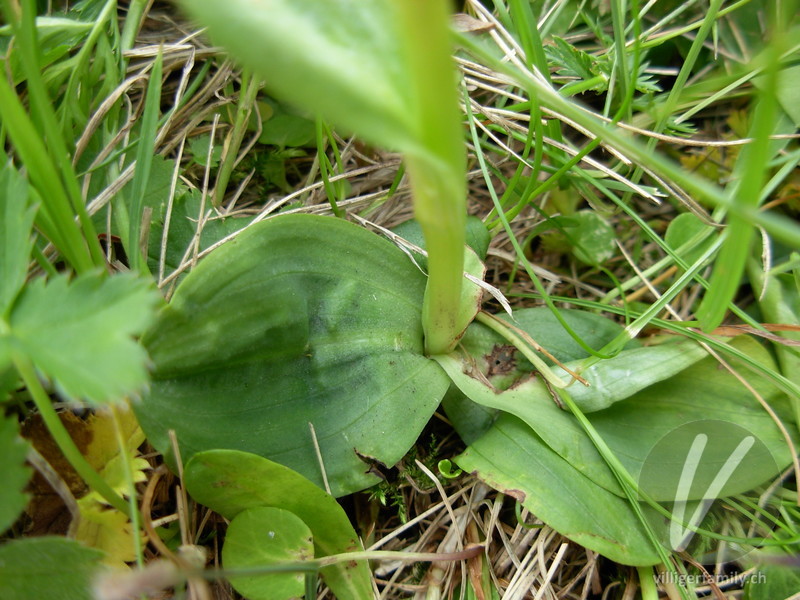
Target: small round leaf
{"x": 262, "y": 537}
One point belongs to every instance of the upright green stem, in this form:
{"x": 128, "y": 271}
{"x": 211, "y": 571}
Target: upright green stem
{"x": 647, "y": 584}
{"x": 63, "y": 439}
{"x": 129, "y": 483}
{"x": 438, "y": 170}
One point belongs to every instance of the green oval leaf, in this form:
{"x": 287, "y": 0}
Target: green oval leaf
{"x": 262, "y": 537}
{"x": 503, "y": 365}
{"x": 689, "y": 231}
{"x": 592, "y": 238}
{"x": 301, "y": 319}
{"x": 702, "y": 394}
{"x": 632, "y": 428}
{"x": 513, "y": 459}
{"x": 229, "y": 482}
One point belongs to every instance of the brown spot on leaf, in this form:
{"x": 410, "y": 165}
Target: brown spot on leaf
{"x": 376, "y": 467}
{"x": 517, "y": 495}
{"x": 464, "y": 23}
{"x": 501, "y": 360}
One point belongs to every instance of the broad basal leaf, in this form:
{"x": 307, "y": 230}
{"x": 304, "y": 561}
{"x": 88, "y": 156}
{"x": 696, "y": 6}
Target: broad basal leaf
{"x": 79, "y": 333}
{"x": 513, "y": 459}
{"x": 655, "y": 399}
{"x": 532, "y": 401}
{"x": 263, "y": 537}
{"x": 15, "y": 473}
{"x": 774, "y": 581}
{"x": 230, "y": 482}
{"x": 299, "y": 320}
{"x": 703, "y": 399}
{"x": 47, "y": 567}
{"x": 503, "y": 365}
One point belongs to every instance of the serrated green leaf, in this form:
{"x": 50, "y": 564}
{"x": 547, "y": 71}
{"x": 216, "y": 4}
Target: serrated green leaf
{"x": 47, "y": 567}
{"x": 300, "y": 319}
{"x": 229, "y": 482}
{"x": 266, "y": 536}
{"x": 571, "y": 61}
{"x": 80, "y": 334}
{"x": 15, "y": 474}
{"x": 16, "y": 224}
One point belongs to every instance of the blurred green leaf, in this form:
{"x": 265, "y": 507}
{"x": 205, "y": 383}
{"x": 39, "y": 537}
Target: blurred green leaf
{"x": 592, "y": 238}
{"x": 16, "y": 224}
{"x": 343, "y": 60}
{"x": 284, "y": 128}
{"x": 773, "y": 582}
{"x": 47, "y": 567}
{"x": 685, "y": 228}
{"x": 198, "y": 147}
{"x": 15, "y": 474}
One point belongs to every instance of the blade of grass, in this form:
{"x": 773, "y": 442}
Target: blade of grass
{"x": 24, "y": 26}
{"x": 730, "y": 264}
{"x": 515, "y": 243}
{"x": 133, "y": 21}
{"x": 333, "y": 190}
{"x": 619, "y": 74}
{"x": 55, "y": 217}
{"x": 780, "y": 227}
{"x": 244, "y": 108}
{"x": 144, "y": 161}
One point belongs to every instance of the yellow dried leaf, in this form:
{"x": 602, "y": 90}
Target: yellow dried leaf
{"x": 106, "y": 529}
{"x": 103, "y": 451}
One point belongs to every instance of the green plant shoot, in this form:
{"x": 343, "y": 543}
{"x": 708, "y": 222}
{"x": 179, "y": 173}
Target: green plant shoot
{"x": 383, "y": 71}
